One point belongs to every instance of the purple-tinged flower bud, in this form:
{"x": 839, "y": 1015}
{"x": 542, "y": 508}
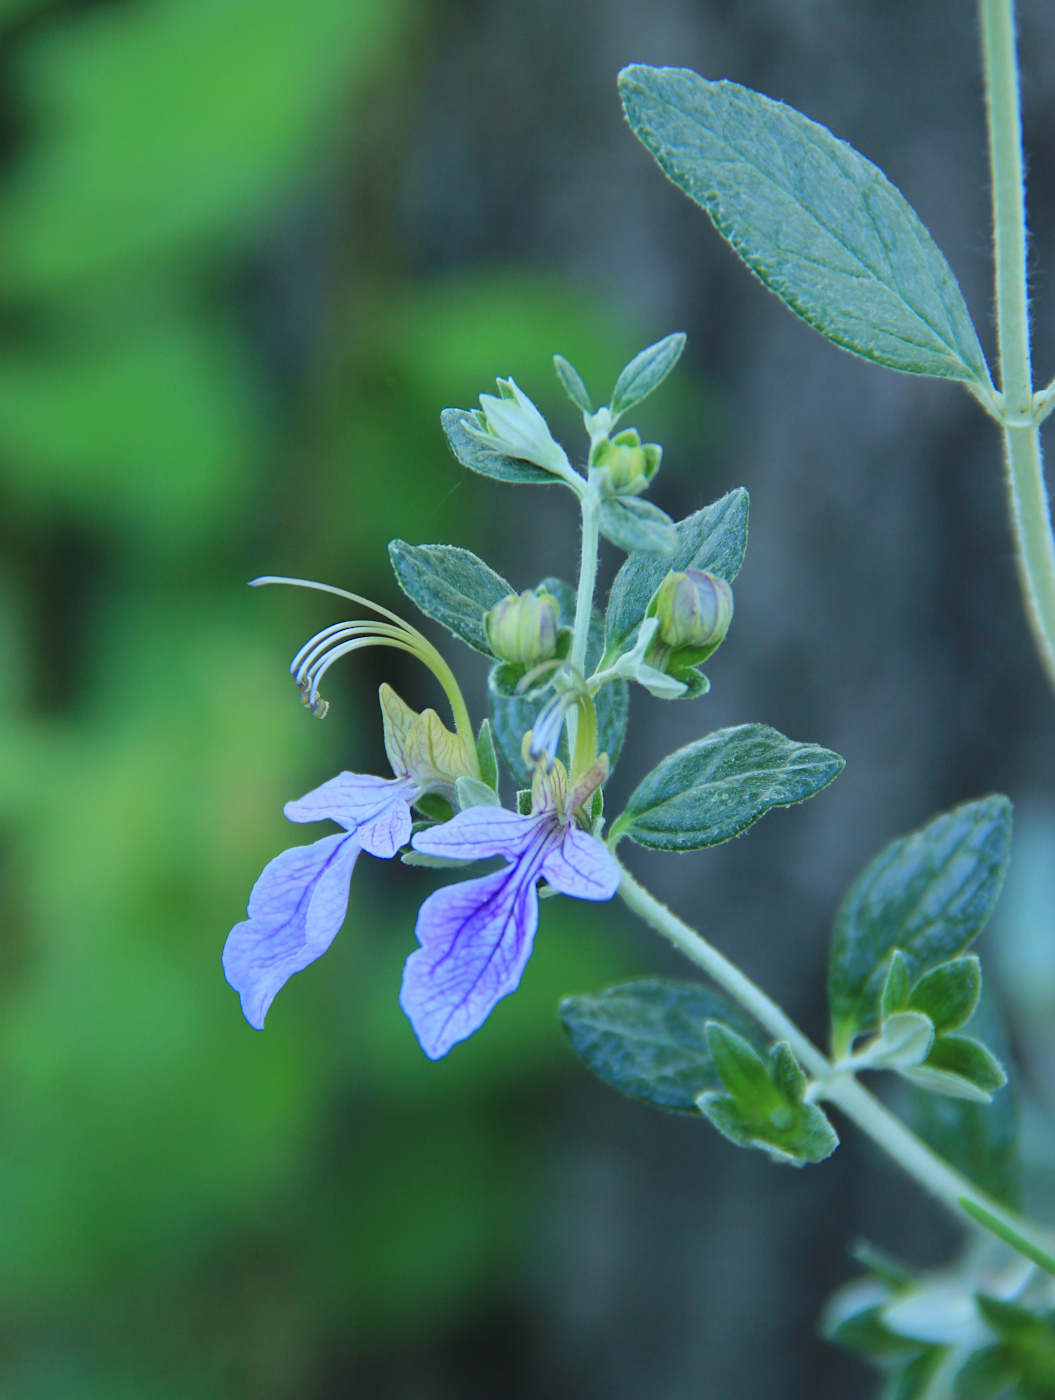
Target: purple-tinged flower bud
{"x": 523, "y": 629}
{"x": 626, "y": 464}
{"x": 693, "y": 609}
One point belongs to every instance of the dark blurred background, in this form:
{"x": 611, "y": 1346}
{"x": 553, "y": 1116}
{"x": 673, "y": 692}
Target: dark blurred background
{"x": 248, "y": 250}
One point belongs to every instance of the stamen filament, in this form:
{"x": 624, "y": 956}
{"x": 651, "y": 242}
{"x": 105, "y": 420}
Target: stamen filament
{"x": 395, "y": 633}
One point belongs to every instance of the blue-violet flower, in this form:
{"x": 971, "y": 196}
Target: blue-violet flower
{"x": 476, "y": 936}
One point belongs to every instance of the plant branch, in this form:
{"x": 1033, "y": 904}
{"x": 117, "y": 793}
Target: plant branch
{"x": 932, "y": 1172}
{"x": 1030, "y": 512}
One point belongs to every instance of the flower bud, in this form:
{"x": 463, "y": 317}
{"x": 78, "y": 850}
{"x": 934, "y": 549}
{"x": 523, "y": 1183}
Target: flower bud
{"x": 693, "y": 609}
{"x": 512, "y": 424}
{"x": 628, "y": 465}
{"x": 523, "y": 629}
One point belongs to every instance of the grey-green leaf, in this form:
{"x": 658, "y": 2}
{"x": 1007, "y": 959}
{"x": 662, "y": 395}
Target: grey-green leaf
{"x": 648, "y": 1039}
{"x": 818, "y": 223}
{"x": 714, "y": 789}
{"x": 929, "y": 894}
{"x": 638, "y": 526}
{"x": 449, "y": 585}
{"x": 513, "y": 715}
{"x": 478, "y": 457}
{"x": 646, "y": 372}
{"x": 713, "y": 539}
{"x": 572, "y": 381}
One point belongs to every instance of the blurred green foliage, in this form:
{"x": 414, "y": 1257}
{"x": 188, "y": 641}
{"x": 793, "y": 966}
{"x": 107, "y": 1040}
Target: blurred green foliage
{"x": 187, "y": 1207}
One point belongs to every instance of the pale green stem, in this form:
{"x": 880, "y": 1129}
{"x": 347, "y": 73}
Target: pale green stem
{"x": 1030, "y": 512}
{"x": 584, "y": 601}
{"x": 838, "y": 1087}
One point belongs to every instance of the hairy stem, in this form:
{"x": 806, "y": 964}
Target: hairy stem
{"x": 1030, "y": 512}
{"x": 932, "y": 1172}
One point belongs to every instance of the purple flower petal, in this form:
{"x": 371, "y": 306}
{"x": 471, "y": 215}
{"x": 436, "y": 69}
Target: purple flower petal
{"x": 383, "y": 835}
{"x": 476, "y": 938}
{"x": 582, "y": 866}
{"x": 477, "y": 833}
{"x": 352, "y": 800}
{"x": 295, "y": 909}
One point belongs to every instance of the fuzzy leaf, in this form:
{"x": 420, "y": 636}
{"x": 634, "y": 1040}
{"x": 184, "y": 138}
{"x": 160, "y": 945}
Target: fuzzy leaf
{"x": 638, "y": 526}
{"x": 929, "y": 895}
{"x": 763, "y": 1104}
{"x": 712, "y": 790}
{"x": 573, "y": 386}
{"x": 478, "y": 457}
{"x": 819, "y": 224}
{"x": 513, "y": 715}
{"x": 713, "y": 539}
{"x": 646, "y": 372}
{"x": 648, "y": 1039}
{"x": 450, "y": 585}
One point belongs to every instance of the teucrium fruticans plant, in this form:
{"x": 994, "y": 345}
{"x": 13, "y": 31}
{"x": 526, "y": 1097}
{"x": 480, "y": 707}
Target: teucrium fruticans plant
{"x": 827, "y": 232}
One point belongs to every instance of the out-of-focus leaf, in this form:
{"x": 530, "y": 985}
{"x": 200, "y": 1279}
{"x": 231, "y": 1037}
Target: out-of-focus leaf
{"x": 981, "y": 1139}
{"x": 929, "y": 895}
{"x": 949, "y": 993}
{"x": 649, "y": 1039}
{"x": 763, "y": 1104}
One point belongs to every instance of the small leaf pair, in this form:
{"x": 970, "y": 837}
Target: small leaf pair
{"x": 918, "y": 1025}
{"x": 685, "y": 1047}
{"x": 645, "y": 372}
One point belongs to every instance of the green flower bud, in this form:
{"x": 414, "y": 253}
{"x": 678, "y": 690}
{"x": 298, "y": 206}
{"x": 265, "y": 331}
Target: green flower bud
{"x": 694, "y": 610}
{"x": 627, "y": 465}
{"x": 523, "y": 630}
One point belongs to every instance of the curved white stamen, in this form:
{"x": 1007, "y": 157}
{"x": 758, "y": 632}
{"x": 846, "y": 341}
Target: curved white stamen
{"x": 393, "y": 633}
{"x": 341, "y": 631}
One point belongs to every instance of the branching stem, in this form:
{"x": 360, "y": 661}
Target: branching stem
{"x": 932, "y": 1172}
{"x": 1030, "y": 512}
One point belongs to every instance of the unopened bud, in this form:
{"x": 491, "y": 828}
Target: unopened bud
{"x": 693, "y": 609}
{"x": 629, "y": 465}
{"x": 523, "y": 629}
